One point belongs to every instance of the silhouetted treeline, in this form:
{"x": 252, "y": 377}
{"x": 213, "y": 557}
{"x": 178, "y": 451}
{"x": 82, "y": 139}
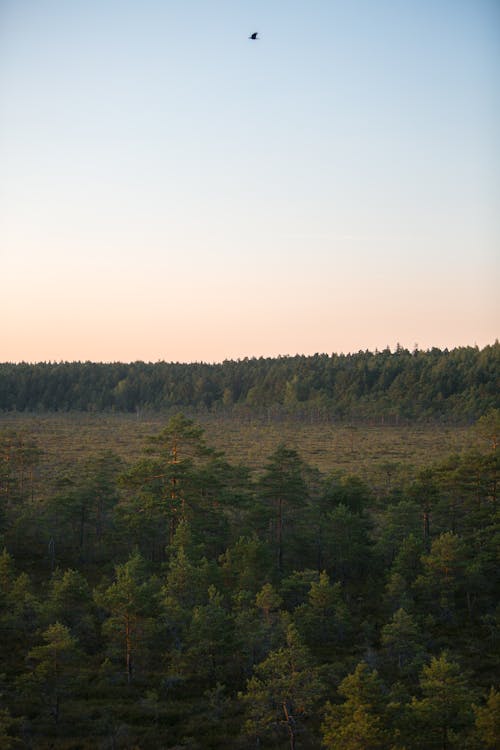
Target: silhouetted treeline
{"x": 460, "y": 384}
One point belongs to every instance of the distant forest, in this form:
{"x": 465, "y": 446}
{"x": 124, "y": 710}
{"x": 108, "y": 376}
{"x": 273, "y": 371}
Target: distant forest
{"x": 456, "y": 385}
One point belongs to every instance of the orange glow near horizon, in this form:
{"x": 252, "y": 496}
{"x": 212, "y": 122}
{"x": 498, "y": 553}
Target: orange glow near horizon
{"x": 196, "y": 203}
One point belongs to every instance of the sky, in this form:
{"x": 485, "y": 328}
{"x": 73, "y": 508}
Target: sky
{"x": 171, "y": 190}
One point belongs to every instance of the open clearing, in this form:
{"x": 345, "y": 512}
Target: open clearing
{"x": 376, "y": 453}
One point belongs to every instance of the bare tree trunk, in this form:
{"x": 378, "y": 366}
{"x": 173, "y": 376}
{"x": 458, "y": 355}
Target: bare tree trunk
{"x": 128, "y": 648}
{"x": 82, "y": 529}
{"x": 426, "y": 528}
{"x": 289, "y": 723}
{"x": 279, "y": 534}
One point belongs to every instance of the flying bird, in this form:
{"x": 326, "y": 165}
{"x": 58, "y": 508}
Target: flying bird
{"x": 254, "y": 36}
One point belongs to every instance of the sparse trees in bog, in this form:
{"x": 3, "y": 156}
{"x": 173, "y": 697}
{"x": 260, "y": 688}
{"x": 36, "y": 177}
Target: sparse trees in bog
{"x": 195, "y": 604}
{"x": 488, "y": 428}
{"x": 283, "y": 489}
{"x": 80, "y": 515}
{"x": 164, "y": 485}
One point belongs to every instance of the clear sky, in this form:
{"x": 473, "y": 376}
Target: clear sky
{"x": 171, "y": 190}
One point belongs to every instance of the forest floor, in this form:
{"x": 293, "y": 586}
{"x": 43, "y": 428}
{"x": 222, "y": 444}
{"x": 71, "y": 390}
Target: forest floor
{"x": 379, "y": 454}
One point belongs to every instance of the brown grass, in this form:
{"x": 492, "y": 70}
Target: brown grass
{"x": 375, "y": 453}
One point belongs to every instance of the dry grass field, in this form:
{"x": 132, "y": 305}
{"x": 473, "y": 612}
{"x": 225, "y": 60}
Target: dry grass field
{"x": 377, "y": 454}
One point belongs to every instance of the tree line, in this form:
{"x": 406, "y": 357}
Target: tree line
{"x": 459, "y": 385}
{"x": 180, "y": 601}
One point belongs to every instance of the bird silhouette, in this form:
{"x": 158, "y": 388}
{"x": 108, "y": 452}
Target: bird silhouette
{"x": 254, "y": 36}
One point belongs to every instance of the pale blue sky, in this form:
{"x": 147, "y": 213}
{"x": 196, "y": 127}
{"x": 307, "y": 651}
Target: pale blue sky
{"x": 172, "y": 190}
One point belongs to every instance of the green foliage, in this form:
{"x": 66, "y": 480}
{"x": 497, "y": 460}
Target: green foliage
{"x": 208, "y": 656}
{"x": 348, "y": 547}
{"x": 488, "y": 720}
{"x": 283, "y": 693}
{"x": 246, "y": 564}
{"x": 284, "y": 490}
{"x": 178, "y": 477}
{"x": 131, "y": 603}
{"x": 398, "y": 522}
{"x": 445, "y": 706}
{"x": 8, "y": 731}
{"x": 139, "y": 600}
{"x": 69, "y": 602}
{"x": 19, "y": 613}
{"x": 358, "y": 722}
{"x": 324, "y": 621}
{"x": 52, "y": 675}
{"x": 458, "y": 384}
{"x": 402, "y": 642}
{"x": 488, "y": 427}
{"x": 349, "y": 491}
{"x": 184, "y": 582}
{"x": 81, "y": 512}
{"x": 443, "y": 576}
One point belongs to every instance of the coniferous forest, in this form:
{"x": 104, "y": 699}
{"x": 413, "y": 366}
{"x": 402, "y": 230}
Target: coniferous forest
{"x": 177, "y": 599}
{"x": 456, "y": 385}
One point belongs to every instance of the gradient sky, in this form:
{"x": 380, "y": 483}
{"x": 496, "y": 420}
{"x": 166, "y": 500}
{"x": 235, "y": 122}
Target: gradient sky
{"x": 172, "y": 190}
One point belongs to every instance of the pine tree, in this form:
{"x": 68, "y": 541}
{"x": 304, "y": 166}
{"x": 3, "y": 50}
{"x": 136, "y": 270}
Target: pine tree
{"x": 359, "y": 722}
{"x": 281, "y": 696}
{"x": 324, "y": 620}
{"x": 283, "y": 488}
{"x": 402, "y": 643}
{"x": 131, "y": 602}
{"x": 488, "y": 720}
{"x": 445, "y": 707}
{"x": 54, "y": 669}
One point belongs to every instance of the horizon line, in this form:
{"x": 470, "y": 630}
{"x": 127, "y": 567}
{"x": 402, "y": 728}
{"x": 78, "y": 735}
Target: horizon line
{"x": 387, "y": 349}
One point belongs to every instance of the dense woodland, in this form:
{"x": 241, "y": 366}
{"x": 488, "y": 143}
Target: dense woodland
{"x": 179, "y": 600}
{"x": 457, "y": 385}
